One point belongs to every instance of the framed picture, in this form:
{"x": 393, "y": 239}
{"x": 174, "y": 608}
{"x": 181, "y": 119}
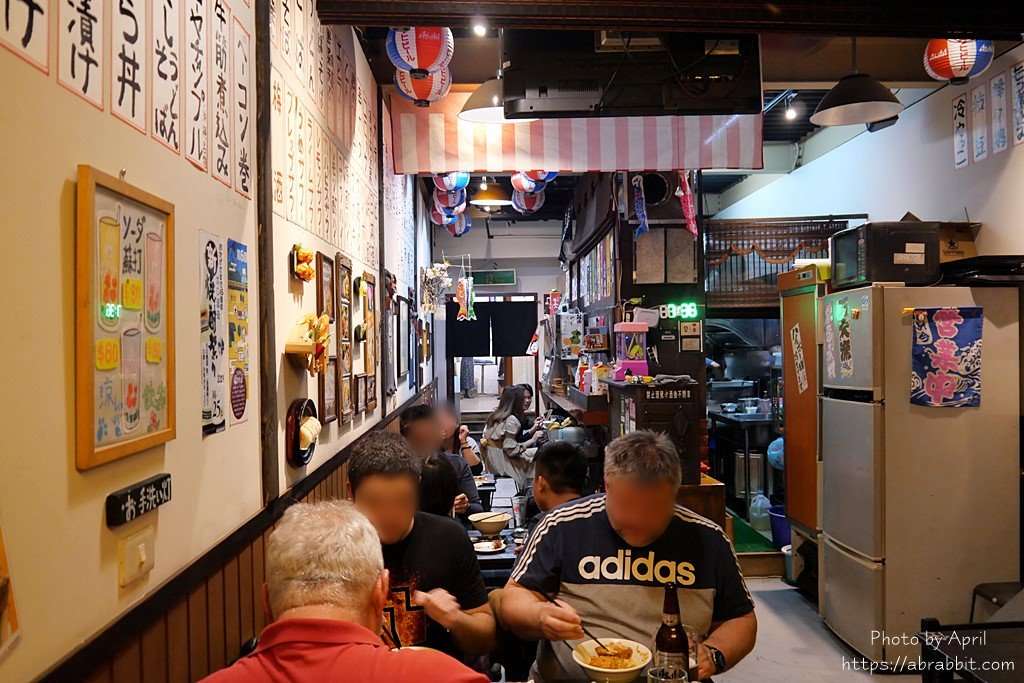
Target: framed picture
{"x": 360, "y": 392}
{"x": 402, "y": 336}
{"x": 345, "y": 358}
{"x": 343, "y": 328}
{"x": 124, "y": 320}
{"x": 370, "y": 324}
{"x": 346, "y": 398}
{"x": 327, "y": 403}
{"x": 325, "y": 285}
{"x": 344, "y": 275}
{"x": 371, "y": 392}
{"x": 411, "y": 337}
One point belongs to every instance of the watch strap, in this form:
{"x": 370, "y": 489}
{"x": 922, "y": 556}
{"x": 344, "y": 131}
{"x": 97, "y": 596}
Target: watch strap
{"x": 717, "y": 657}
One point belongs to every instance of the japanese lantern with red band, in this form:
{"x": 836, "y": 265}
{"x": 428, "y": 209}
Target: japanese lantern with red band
{"x": 455, "y": 180}
{"x": 523, "y": 183}
{"x": 460, "y": 226}
{"x": 420, "y": 50}
{"x": 449, "y": 199}
{"x": 527, "y": 202}
{"x": 423, "y": 91}
{"x": 541, "y": 176}
{"x": 451, "y": 210}
{"x": 439, "y": 217}
{"x": 957, "y": 60}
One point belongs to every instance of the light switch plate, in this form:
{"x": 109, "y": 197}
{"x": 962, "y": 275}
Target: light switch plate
{"x": 136, "y": 555}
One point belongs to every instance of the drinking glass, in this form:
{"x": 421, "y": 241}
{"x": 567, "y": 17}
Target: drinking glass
{"x": 154, "y": 280}
{"x": 108, "y": 271}
{"x": 131, "y": 369}
{"x": 666, "y": 675}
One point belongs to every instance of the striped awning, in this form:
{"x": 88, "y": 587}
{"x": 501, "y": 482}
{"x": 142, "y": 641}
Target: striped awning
{"x": 435, "y": 140}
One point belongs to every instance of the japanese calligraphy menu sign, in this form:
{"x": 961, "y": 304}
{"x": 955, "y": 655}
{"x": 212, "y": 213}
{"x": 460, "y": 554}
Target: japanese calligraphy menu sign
{"x": 131, "y": 502}
{"x": 80, "y": 63}
{"x": 961, "y": 141}
{"x": 238, "y": 329}
{"x": 129, "y": 60}
{"x": 244, "y": 101}
{"x": 212, "y": 331}
{"x": 125, "y": 319}
{"x": 220, "y": 144}
{"x": 166, "y": 61}
{"x": 25, "y": 31}
{"x": 946, "y": 357}
{"x": 197, "y": 82}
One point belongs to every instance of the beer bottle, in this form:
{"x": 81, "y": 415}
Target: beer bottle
{"x": 671, "y": 647}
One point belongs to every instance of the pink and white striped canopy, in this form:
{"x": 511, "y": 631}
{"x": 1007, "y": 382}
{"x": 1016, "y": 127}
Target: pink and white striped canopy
{"x": 435, "y": 140}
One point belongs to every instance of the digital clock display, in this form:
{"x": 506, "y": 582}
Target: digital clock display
{"x": 686, "y": 310}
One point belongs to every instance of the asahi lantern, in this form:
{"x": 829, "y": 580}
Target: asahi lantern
{"x": 438, "y": 217}
{"x": 423, "y": 91}
{"x": 957, "y": 60}
{"x": 460, "y": 226}
{"x": 451, "y": 202}
{"x": 541, "y": 176}
{"x": 455, "y": 180}
{"x": 524, "y": 183}
{"x": 420, "y": 50}
{"x": 527, "y": 202}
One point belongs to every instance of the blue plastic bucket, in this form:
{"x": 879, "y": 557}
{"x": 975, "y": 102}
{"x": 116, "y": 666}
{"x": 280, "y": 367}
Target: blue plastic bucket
{"x": 780, "y": 525}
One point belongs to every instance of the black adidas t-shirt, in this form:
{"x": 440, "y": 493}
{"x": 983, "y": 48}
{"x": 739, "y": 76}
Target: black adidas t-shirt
{"x": 437, "y": 553}
{"x": 618, "y": 589}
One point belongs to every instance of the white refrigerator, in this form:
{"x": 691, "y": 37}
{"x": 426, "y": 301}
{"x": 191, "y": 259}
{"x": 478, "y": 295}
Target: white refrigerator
{"x": 919, "y": 503}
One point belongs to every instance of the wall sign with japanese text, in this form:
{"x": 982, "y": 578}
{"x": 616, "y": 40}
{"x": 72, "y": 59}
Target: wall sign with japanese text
{"x": 25, "y": 31}
{"x": 238, "y": 329}
{"x": 197, "y": 106}
{"x": 81, "y": 48}
{"x": 979, "y": 123}
{"x": 129, "y": 61}
{"x": 166, "y": 64}
{"x": 961, "y": 140}
{"x": 125, "y": 327}
{"x": 1000, "y": 127}
{"x": 1017, "y": 100}
{"x": 212, "y": 331}
{"x": 220, "y": 141}
{"x": 131, "y": 502}
{"x": 243, "y": 102}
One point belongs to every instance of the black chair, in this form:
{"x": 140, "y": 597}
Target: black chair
{"x": 998, "y": 593}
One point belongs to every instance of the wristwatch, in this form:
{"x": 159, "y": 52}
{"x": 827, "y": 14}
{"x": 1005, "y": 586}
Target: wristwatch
{"x": 717, "y": 657}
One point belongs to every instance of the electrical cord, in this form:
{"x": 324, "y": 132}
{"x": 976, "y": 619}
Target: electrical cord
{"x": 604, "y": 91}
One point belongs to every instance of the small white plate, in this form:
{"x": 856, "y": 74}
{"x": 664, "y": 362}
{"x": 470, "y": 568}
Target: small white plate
{"x": 489, "y": 546}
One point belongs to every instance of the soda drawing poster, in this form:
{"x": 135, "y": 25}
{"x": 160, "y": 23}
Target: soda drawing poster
{"x": 212, "y": 332}
{"x": 238, "y": 329}
{"x": 8, "y": 612}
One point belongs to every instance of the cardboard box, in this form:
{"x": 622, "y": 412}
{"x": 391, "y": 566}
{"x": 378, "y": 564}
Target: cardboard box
{"x": 956, "y": 238}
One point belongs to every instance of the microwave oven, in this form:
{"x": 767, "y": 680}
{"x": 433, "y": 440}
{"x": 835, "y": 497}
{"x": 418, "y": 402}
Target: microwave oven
{"x": 905, "y": 251}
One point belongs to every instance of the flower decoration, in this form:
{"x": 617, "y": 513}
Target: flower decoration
{"x": 302, "y": 263}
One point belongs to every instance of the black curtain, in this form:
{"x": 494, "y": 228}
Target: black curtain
{"x": 512, "y": 326}
{"x": 467, "y": 337}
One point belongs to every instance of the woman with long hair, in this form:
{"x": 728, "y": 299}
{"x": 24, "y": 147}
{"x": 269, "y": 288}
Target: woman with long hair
{"x": 506, "y": 453}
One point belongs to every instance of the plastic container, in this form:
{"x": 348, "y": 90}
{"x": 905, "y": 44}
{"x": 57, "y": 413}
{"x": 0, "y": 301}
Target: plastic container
{"x": 787, "y": 554}
{"x": 759, "y": 512}
{"x": 780, "y": 525}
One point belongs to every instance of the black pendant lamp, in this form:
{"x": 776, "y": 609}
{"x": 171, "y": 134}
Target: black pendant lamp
{"x": 856, "y": 98}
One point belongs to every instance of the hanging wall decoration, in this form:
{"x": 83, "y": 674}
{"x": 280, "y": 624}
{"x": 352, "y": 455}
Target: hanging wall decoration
{"x": 455, "y": 180}
{"x": 343, "y": 275}
{"x": 212, "y": 331}
{"x": 327, "y": 392}
{"x": 687, "y": 202}
{"x": 946, "y": 357}
{"x": 124, "y": 328}
{"x": 957, "y": 60}
{"x": 302, "y": 263}
{"x": 639, "y": 205}
{"x": 435, "y": 281}
{"x": 412, "y": 335}
{"x": 360, "y": 393}
{"x": 420, "y": 50}
{"x": 370, "y": 346}
{"x": 423, "y": 91}
{"x": 238, "y": 329}
{"x": 325, "y": 291}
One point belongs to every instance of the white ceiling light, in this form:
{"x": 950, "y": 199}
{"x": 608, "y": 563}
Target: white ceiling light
{"x": 790, "y": 109}
{"x": 479, "y": 28}
{"x": 485, "y": 105}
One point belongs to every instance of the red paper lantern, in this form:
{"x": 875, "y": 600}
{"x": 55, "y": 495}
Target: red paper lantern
{"x": 541, "y": 176}
{"x": 420, "y": 50}
{"x": 527, "y": 202}
{"x": 460, "y": 226}
{"x": 438, "y": 217}
{"x": 521, "y": 182}
{"x": 423, "y": 91}
{"x": 956, "y": 60}
{"x": 455, "y": 180}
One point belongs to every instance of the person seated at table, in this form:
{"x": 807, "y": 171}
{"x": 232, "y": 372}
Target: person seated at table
{"x": 326, "y": 590}
{"x": 608, "y": 558}
{"x": 457, "y": 439}
{"x": 507, "y": 453}
{"x": 438, "y": 486}
{"x": 421, "y": 427}
{"x": 437, "y": 597}
{"x": 560, "y": 476}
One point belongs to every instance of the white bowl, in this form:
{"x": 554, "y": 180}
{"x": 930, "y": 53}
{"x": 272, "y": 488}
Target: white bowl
{"x": 490, "y": 523}
{"x": 641, "y": 658}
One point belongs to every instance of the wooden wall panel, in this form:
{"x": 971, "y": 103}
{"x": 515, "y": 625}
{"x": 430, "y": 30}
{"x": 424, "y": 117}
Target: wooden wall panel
{"x": 101, "y": 675}
{"x": 198, "y": 635}
{"x": 177, "y": 643}
{"x": 232, "y": 626}
{"x": 245, "y": 592}
{"x": 154, "y": 652}
{"x": 258, "y": 558}
{"x": 127, "y": 665}
{"x": 215, "y": 620}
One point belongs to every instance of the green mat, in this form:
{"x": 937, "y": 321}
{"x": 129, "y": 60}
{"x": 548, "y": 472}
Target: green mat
{"x": 747, "y": 539}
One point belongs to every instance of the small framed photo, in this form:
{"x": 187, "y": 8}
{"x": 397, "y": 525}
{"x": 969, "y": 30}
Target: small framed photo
{"x": 344, "y": 276}
{"x": 325, "y": 294}
{"x": 346, "y": 398}
{"x": 371, "y": 392}
{"x": 345, "y": 358}
{"x": 327, "y": 405}
{"x": 360, "y": 392}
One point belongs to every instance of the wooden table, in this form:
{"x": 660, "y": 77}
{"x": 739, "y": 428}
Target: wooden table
{"x": 706, "y": 499}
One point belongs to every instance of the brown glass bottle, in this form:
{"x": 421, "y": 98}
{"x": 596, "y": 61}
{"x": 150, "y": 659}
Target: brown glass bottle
{"x": 672, "y": 649}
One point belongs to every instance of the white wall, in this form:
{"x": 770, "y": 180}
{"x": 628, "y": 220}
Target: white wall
{"x": 908, "y": 167}
{"x": 63, "y": 558}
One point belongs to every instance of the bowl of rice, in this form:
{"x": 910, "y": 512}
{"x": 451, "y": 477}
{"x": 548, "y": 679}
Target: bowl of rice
{"x": 621, "y": 661}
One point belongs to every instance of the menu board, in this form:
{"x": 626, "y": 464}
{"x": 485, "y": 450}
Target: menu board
{"x": 125, "y": 315}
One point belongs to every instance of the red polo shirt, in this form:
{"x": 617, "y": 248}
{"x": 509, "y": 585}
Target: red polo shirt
{"x": 331, "y": 651}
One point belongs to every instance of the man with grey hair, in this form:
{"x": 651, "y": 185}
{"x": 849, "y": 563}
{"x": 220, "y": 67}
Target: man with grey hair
{"x": 326, "y": 589}
{"x": 608, "y": 558}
